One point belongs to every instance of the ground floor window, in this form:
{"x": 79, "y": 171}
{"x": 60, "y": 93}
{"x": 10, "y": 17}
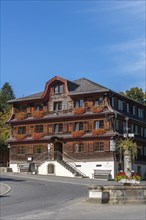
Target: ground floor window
{"x": 98, "y": 146}
{"x": 78, "y": 148}
{"x": 38, "y": 149}
{"x": 21, "y": 150}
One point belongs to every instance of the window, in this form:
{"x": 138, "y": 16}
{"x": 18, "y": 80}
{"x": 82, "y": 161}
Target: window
{"x": 38, "y": 149}
{"x": 134, "y": 111}
{"x": 58, "y": 128}
{"x": 57, "y": 106}
{"x": 98, "y": 101}
{"x": 98, "y": 124}
{"x": 22, "y": 130}
{"x": 39, "y": 107}
{"x": 98, "y": 146}
{"x": 127, "y": 107}
{"x": 38, "y": 128}
{"x": 21, "y": 150}
{"x": 78, "y": 126}
{"x": 140, "y": 113}
{"x": 58, "y": 88}
{"x": 78, "y": 103}
{"x": 120, "y": 105}
{"x": 113, "y": 102}
{"x": 144, "y": 132}
{"x": 79, "y": 148}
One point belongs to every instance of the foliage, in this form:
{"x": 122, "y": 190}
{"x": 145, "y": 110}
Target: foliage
{"x": 120, "y": 176}
{"x": 97, "y": 109}
{"x": 38, "y": 114}
{"x": 135, "y": 176}
{"x": 136, "y": 94}
{"x": 78, "y": 133}
{"x": 128, "y": 144}
{"x": 79, "y": 111}
{"x": 99, "y": 131}
{"x": 37, "y": 136}
{"x": 21, "y": 115}
{"x": 20, "y": 137}
{"x": 4, "y": 128}
{"x": 6, "y": 94}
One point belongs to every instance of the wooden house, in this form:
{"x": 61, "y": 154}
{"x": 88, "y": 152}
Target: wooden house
{"x": 72, "y": 128}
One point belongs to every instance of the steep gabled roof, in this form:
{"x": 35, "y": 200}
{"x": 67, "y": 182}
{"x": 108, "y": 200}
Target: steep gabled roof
{"x": 79, "y": 86}
{"x": 84, "y": 85}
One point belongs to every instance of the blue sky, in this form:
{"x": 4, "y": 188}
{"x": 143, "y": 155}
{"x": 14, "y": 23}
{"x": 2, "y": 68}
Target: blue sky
{"x": 103, "y": 41}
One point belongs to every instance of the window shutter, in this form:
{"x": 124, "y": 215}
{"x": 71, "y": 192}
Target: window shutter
{"x": 86, "y": 126}
{"x": 50, "y": 128}
{"x": 70, "y": 127}
{"x": 65, "y": 127}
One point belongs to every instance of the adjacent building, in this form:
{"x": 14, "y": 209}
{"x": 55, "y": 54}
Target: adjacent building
{"x": 72, "y": 127}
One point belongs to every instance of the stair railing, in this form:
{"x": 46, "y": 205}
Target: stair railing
{"x": 71, "y": 164}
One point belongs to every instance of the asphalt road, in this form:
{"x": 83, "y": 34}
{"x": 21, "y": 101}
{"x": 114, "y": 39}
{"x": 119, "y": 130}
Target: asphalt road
{"x": 44, "y": 198}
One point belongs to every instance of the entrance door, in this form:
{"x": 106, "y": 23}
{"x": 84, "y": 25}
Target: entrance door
{"x": 58, "y": 151}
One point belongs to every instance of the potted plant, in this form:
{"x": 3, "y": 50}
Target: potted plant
{"x": 38, "y": 114}
{"x": 78, "y": 133}
{"x": 79, "y": 111}
{"x": 97, "y": 109}
{"x": 121, "y": 177}
{"x": 99, "y": 131}
{"x": 37, "y": 136}
{"x": 135, "y": 178}
{"x": 20, "y": 136}
{"x": 21, "y": 115}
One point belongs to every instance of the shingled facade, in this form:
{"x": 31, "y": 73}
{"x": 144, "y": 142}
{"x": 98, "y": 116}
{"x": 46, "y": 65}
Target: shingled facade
{"x": 72, "y": 128}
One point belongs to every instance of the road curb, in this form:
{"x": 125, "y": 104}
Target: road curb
{"x": 4, "y": 189}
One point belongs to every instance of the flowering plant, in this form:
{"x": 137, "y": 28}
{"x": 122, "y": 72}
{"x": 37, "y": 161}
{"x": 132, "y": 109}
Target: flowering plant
{"x": 38, "y": 114}
{"x": 121, "y": 175}
{"x": 99, "y": 131}
{"x": 97, "y": 109}
{"x": 79, "y": 111}
{"x": 78, "y": 133}
{"x": 135, "y": 176}
{"x": 20, "y": 137}
{"x": 21, "y": 115}
{"x": 37, "y": 135}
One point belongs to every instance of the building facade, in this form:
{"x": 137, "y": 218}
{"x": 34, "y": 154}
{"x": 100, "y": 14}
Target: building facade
{"x": 72, "y": 128}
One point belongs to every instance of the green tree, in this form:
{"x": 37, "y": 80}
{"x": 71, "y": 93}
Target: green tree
{"x": 6, "y": 93}
{"x": 4, "y": 128}
{"x": 136, "y": 94}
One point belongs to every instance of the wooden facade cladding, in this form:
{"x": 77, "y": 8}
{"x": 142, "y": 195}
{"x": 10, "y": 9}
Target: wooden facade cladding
{"x": 64, "y": 107}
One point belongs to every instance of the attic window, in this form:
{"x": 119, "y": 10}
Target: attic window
{"x": 58, "y": 88}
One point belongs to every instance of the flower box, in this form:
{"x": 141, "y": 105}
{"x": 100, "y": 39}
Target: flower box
{"x": 79, "y": 111}
{"x": 97, "y": 109}
{"x": 99, "y": 131}
{"x": 21, "y": 115}
{"x": 38, "y": 114}
{"x": 78, "y": 133}
{"x": 37, "y": 136}
{"x": 20, "y": 137}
